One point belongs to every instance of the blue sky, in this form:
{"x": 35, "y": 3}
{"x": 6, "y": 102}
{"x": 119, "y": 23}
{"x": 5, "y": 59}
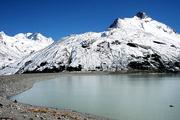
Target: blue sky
{"x": 58, "y": 18}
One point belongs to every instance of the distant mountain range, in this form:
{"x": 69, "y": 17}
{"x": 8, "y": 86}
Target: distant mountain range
{"x": 137, "y": 43}
{"x": 16, "y": 47}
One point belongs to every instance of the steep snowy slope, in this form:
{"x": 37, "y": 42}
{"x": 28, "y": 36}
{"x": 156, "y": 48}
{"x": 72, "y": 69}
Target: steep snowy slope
{"x": 138, "y": 43}
{"x": 14, "y": 48}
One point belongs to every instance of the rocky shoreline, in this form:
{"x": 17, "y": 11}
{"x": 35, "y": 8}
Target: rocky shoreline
{"x": 13, "y": 110}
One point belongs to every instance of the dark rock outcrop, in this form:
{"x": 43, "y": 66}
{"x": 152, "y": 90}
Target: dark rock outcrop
{"x": 132, "y": 44}
{"x": 141, "y": 15}
{"x": 114, "y": 24}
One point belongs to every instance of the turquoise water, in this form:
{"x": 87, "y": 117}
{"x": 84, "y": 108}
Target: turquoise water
{"x": 117, "y": 96}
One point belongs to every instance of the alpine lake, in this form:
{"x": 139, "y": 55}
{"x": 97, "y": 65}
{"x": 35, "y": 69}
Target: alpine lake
{"x": 136, "y": 96}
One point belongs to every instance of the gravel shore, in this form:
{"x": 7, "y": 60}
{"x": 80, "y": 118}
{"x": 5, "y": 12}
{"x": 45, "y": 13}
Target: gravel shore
{"x": 12, "y": 110}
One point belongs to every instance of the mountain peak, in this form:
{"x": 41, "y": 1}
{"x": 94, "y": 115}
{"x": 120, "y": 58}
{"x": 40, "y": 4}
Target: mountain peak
{"x": 118, "y": 22}
{"x": 34, "y": 36}
{"x": 141, "y": 21}
{"x": 39, "y": 37}
{"x": 141, "y": 15}
{"x": 2, "y": 33}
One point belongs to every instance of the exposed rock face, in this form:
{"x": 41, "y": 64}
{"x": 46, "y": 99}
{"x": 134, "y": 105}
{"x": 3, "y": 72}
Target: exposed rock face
{"x": 141, "y": 15}
{"x": 114, "y": 24}
{"x": 138, "y": 43}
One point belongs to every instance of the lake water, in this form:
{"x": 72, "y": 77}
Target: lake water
{"x": 116, "y": 96}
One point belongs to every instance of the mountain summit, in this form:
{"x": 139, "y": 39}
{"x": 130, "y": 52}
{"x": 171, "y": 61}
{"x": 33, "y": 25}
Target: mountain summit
{"x": 117, "y": 22}
{"x": 141, "y": 15}
{"x": 142, "y": 22}
{"x": 130, "y": 44}
{"x": 35, "y": 37}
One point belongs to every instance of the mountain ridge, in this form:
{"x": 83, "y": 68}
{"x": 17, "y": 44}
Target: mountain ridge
{"x": 137, "y": 43}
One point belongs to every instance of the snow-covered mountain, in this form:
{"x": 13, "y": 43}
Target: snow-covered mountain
{"x": 20, "y": 45}
{"x": 137, "y": 43}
